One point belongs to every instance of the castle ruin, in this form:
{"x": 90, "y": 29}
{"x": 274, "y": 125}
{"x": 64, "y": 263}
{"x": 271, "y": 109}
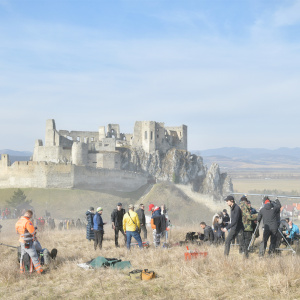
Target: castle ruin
{"x": 101, "y": 149}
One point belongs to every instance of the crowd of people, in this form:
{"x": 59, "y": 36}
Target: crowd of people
{"x": 243, "y": 226}
{"x": 239, "y": 228}
{"x": 129, "y": 225}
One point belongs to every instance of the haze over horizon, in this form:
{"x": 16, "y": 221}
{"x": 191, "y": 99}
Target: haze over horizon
{"x": 229, "y": 70}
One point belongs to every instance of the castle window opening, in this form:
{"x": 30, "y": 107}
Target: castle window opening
{"x": 78, "y": 139}
{"x": 69, "y": 138}
{"x": 106, "y": 145}
{"x": 145, "y": 135}
{"x": 151, "y": 135}
{"x": 157, "y": 136}
{"x": 85, "y": 139}
{"x": 92, "y": 139}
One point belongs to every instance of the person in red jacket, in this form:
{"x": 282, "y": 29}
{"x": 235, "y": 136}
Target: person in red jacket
{"x": 26, "y": 230}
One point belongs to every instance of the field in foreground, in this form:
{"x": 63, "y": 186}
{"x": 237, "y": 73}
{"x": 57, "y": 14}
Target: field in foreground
{"x": 213, "y": 277}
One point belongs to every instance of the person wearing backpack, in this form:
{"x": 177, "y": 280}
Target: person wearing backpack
{"x": 132, "y": 227}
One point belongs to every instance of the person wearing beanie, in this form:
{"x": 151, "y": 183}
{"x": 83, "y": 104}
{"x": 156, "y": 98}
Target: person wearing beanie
{"x": 98, "y": 228}
{"x": 269, "y": 214}
{"x": 236, "y": 227}
{"x": 90, "y": 224}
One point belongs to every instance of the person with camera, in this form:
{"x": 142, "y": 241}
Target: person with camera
{"x": 132, "y": 227}
{"x": 269, "y": 214}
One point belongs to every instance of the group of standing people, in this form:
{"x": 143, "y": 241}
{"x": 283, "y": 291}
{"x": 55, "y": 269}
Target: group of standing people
{"x": 129, "y": 224}
{"x": 244, "y": 220}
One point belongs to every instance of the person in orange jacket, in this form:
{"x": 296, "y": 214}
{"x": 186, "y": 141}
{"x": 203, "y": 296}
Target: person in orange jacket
{"x": 26, "y": 230}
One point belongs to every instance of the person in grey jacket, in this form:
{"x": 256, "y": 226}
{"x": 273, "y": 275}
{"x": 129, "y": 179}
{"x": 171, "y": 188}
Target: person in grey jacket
{"x": 142, "y": 218}
{"x": 269, "y": 214}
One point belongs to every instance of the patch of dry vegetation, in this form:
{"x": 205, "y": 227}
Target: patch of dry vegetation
{"x": 213, "y": 277}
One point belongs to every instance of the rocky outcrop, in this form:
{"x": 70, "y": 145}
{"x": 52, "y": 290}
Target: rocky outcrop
{"x": 178, "y": 166}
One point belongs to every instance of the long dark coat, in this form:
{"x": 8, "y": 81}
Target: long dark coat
{"x": 90, "y": 224}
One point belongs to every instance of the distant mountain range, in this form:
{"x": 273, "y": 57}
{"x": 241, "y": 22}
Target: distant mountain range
{"x": 234, "y": 157}
{"x": 17, "y": 155}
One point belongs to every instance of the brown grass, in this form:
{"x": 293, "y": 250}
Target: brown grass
{"x": 214, "y": 277}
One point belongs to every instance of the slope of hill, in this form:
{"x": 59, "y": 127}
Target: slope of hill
{"x": 73, "y": 204}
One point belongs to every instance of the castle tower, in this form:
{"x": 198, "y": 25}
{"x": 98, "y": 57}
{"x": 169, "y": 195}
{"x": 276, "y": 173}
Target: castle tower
{"x": 50, "y": 133}
{"x": 80, "y": 154}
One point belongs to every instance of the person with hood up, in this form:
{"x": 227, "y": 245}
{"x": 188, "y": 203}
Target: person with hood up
{"x": 158, "y": 223}
{"x": 269, "y": 214}
{"x": 90, "y": 224}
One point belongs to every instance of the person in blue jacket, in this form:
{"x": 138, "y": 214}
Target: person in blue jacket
{"x": 292, "y": 231}
{"x": 98, "y": 228}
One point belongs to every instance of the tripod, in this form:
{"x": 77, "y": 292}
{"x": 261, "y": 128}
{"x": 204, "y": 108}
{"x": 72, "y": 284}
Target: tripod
{"x": 288, "y": 244}
{"x": 253, "y": 236}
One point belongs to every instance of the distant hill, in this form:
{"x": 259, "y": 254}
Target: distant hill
{"x": 234, "y": 157}
{"x": 17, "y": 155}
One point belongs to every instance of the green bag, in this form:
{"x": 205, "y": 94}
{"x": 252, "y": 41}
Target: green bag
{"x": 114, "y": 263}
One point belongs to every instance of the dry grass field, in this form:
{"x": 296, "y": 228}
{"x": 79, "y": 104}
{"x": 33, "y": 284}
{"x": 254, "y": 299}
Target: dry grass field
{"x": 243, "y": 185}
{"x": 213, "y": 277}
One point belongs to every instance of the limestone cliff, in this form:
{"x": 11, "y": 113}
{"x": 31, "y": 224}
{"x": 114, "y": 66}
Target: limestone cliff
{"x": 178, "y": 166}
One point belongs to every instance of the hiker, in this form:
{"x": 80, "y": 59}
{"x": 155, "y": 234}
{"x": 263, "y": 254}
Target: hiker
{"x": 269, "y": 214}
{"x": 26, "y": 230}
{"x": 117, "y": 221}
{"x": 142, "y": 218}
{"x": 236, "y": 227}
{"x": 90, "y": 224}
{"x": 98, "y": 228}
{"x": 248, "y": 221}
{"x": 131, "y": 226}
{"x": 208, "y": 233}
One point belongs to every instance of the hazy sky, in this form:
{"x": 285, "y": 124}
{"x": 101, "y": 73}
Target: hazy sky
{"x": 229, "y": 70}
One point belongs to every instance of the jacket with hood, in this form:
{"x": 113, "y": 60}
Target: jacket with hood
{"x": 269, "y": 215}
{"x": 156, "y": 213}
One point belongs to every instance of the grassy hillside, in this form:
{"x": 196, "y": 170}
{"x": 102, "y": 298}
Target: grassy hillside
{"x": 64, "y": 203}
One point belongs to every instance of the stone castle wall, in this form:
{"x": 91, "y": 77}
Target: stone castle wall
{"x": 50, "y": 175}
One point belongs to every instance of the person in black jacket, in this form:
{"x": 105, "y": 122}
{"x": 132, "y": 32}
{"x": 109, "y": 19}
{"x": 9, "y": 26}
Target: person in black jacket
{"x": 208, "y": 233}
{"x": 90, "y": 224}
{"x": 270, "y": 216}
{"x": 235, "y": 228}
{"x": 142, "y": 218}
{"x": 117, "y": 222}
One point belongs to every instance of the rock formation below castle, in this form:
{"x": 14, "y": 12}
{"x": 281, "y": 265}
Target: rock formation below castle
{"x": 109, "y": 158}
